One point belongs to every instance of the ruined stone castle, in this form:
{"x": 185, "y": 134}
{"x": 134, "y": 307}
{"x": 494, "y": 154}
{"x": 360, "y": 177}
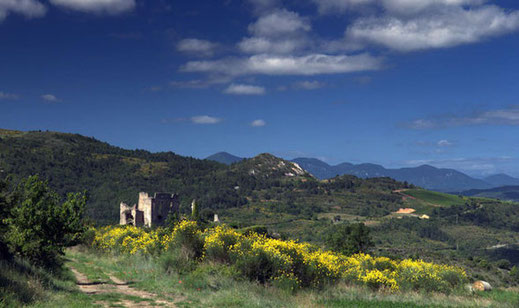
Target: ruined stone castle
{"x": 150, "y": 211}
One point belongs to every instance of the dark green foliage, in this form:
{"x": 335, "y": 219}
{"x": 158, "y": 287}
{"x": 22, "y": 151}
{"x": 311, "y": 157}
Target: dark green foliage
{"x": 5, "y": 210}
{"x": 111, "y": 175}
{"x": 430, "y": 229}
{"x": 207, "y": 215}
{"x": 262, "y": 230}
{"x": 514, "y": 274}
{"x": 260, "y": 267}
{"x": 349, "y": 238}
{"x": 486, "y": 213}
{"x": 40, "y": 225}
{"x": 503, "y": 263}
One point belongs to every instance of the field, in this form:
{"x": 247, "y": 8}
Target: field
{"x": 434, "y": 199}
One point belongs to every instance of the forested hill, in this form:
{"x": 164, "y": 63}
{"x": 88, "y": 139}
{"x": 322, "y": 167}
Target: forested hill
{"x": 110, "y": 174}
{"x": 269, "y": 191}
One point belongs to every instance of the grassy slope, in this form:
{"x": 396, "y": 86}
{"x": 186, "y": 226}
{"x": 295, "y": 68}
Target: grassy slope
{"x": 213, "y": 286}
{"x": 435, "y": 198}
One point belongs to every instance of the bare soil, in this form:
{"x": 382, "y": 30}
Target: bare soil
{"x": 117, "y": 286}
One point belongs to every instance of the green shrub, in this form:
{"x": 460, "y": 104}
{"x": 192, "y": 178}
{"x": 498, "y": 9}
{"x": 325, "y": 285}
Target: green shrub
{"x": 287, "y": 282}
{"x": 349, "y": 239}
{"x": 88, "y": 237}
{"x": 188, "y": 238}
{"x": 176, "y": 261}
{"x": 514, "y": 274}
{"x": 210, "y": 276}
{"x": 218, "y": 243}
{"x": 503, "y": 263}
{"x": 40, "y": 226}
{"x": 262, "y": 230}
{"x": 261, "y": 265}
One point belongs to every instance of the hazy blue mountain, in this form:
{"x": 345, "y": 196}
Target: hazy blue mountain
{"x": 502, "y": 179}
{"x": 510, "y": 193}
{"x": 440, "y": 179}
{"x": 425, "y": 176}
{"x": 225, "y": 158}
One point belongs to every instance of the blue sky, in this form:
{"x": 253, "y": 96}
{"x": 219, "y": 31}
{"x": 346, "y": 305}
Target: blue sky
{"x": 395, "y": 82}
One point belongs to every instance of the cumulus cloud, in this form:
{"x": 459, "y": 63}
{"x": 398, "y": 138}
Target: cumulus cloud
{"x": 50, "y": 98}
{"x": 97, "y": 6}
{"x": 243, "y": 89}
{"x": 282, "y": 42}
{"x": 278, "y": 23}
{"x": 313, "y": 64}
{"x": 27, "y": 8}
{"x": 196, "y": 47}
{"x": 445, "y": 28}
{"x": 506, "y": 116}
{"x": 205, "y": 119}
{"x": 8, "y": 96}
{"x": 280, "y": 31}
{"x": 258, "y": 123}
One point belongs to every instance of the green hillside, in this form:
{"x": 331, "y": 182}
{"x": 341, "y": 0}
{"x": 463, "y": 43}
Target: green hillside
{"x": 265, "y": 190}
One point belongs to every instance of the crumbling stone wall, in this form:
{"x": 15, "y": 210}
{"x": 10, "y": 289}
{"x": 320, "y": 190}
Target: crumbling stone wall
{"x": 150, "y": 211}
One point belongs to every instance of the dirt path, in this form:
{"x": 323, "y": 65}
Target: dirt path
{"x": 116, "y": 286}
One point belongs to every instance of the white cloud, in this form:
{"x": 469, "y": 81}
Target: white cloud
{"x": 277, "y": 32}
{"x": 278, "y": 23}
{"x": 50, "y": 98}
{"x": 413, "y": 6}
{"x": 196, "y": 47}
{"x": 339, "y": 6}
{"x": 243, "y": 89}
{"x": 258, "y": 45}
{"x": 309, "y": 85}
{"x": 97, "y": 6}
{"x": 27, "y": 8}
{"x": 394, "y": 6}
{"x": 258, "y": 123}
{"x": 444, "y": 28}
{"x": 507, "y": 116}
{"x": 8, "y": 96}
{"x": 313, "y": 64}
{"x": 444, "y": 143}
{"x": 205, "y": 119}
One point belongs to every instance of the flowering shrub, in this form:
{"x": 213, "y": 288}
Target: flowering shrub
{"x": 219, "y": 242}
{"x": 188, "y": 237}
{"x": 128, "y": 239}
{"x": 284, "y": 263}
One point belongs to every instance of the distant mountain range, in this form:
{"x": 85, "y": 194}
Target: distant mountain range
{"x": 501, "y": 180}
{"x": 429, "y": 177}
{"x": 507, "y": 193}
{"x": 225, "y": 158}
